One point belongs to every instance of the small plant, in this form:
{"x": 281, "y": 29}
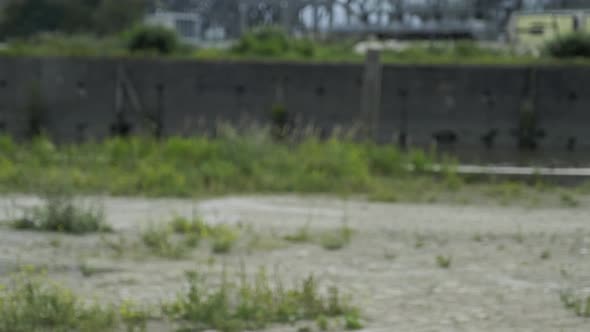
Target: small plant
{"x": 336, "y": 240}
{"x": 196, "y": 225}
{"x": 224, "y": 238}
{"x": 477, "y": 237}
{"x": 63, "y": 214}
{"x": 322, "y": 323}
{"x": 301, "y": 236}
{"x": 546, "y": 254}
{"x": 352, "y": 321}
{"x": 569, "y": 200}
{"x": 444, "y": 261}
{"x": 420, "y": 241}
{"x": 134, "y": 316}
{"x": 389, "y": 254}
{"x": 159, "y": 241}
{"x": 580, "y": 306}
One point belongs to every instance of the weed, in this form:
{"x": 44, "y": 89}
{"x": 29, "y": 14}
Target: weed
{"x": 119, "y": 246}
{"x": 224, "y": 238}
{"x": 134, "y": 316}
{"x": 55, "y": 243}
{"x": 389, "y": 254}
{"x": 580, "y": 306}
{"x": 301, "y": 236}
{"x": 352, "y": 321}
{"x": 546, "y": 254}
{"x": 477, "y": 238}
{"x": 62, "y": 214}
{"x": 420, "y": 241}
{"x": 569, "y": 200}
{"x": 444, "y": 261}
{"x": 336, "y": 240}
{"x": 87, "y": 270}
{"x": 322, "y": 323}
{"x": 30, "y": 302}
{"x": 252, "y": 305}
{"x": 159, "y": 241}
{"x": 196, "y": 225}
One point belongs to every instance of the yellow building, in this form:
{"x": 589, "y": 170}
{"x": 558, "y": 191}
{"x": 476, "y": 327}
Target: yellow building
{"x": 533, "y": 29}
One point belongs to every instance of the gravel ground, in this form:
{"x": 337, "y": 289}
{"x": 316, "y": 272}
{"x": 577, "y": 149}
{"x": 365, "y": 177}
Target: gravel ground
{"x": 508, "y": 264}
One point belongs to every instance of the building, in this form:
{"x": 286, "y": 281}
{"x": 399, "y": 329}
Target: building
{"x": 187, "y": 25}
{"x": 531, "y": 30}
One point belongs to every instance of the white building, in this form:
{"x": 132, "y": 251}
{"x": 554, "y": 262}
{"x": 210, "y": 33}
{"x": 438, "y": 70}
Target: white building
{"x": 187, "y": 25}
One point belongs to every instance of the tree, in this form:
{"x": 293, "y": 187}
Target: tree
{"x": 116, "y": 15}
{"x": 23, "y": 18}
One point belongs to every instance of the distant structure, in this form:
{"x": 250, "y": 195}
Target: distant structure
{"x": 403, "y": 19}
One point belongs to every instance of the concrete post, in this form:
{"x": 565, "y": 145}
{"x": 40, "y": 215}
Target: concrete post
{"x": 371, "y": 94}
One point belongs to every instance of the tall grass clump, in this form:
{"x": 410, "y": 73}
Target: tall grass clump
{"x": 61, "y": 213}
{"x": 253, "y": 304}
{"x": 31, "y": 302}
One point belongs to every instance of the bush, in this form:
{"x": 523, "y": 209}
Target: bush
{"x": 148, "y": 39}
{"x": 575, "y": 45}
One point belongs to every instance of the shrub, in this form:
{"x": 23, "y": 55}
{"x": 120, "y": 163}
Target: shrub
{"x": 576, "y": 45}
{"x": 149, "y": 39}
{"x": 63, "y": 214}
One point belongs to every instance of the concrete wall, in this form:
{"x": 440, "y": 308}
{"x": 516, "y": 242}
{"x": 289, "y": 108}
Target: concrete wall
{"x": 467, "y": 110}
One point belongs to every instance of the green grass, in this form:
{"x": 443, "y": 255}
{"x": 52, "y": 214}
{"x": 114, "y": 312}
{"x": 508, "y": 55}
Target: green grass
{"x": 253, "y": 304}
{"x": 160, "y": 242}
{"x": 31, "y": 302}
{"x": 247, "y": 162}
{"x": 199, "y": 166}
{"x": 63, "y": 214}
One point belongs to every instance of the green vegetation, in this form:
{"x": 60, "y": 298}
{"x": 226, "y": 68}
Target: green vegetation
{"x": 126, "y": 38}
{"x": 176, "y": 238}
{"x": 241, "y": 163}
{"x": 25, "y": 18}
{"x": 336, "y": 240}
{"x": 444, "y": 261}
{"x": 253, "y": 305}
{"x": 152, "y": 39}
{"x": 352, "y": 321}
{"x": 30, "y": 302}
{"x": 580, "y": 306}
{"x": 160, "y": 242}
{"x": 62, "y": 214}
{"x": 200, "y": 165}
{"x": 576, "y": 45}
{"x": 302, "y": 235}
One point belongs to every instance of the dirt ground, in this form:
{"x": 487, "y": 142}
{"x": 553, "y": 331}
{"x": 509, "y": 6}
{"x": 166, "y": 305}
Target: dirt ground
{"x": 508, "y": 264}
